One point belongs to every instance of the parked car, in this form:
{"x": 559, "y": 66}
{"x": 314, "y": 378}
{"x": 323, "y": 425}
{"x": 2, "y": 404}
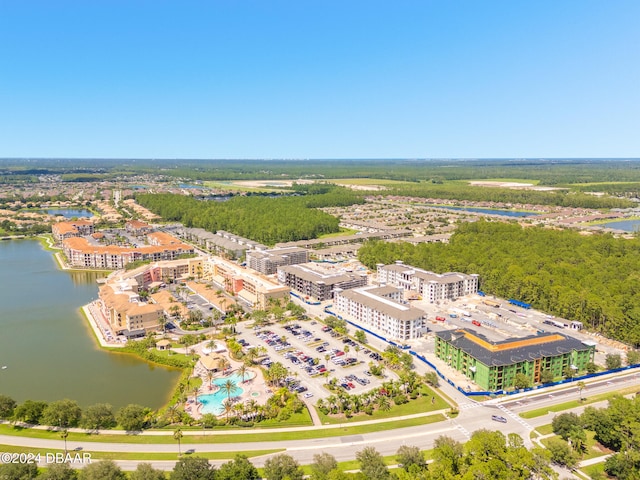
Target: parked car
{"x": 498, "y": 418}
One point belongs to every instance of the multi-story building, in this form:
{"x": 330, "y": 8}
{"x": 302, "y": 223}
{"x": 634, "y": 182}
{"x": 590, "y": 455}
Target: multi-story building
{"x": 433, "y": 287}
{"x": 77, "y": 228}
{"x": 137, "y": 228}
{"x": 252, "y": 288}
{"x": 222, "y": 243}
{"x": 81, "y": 253}
{"x": 494, "y": 365}
{"x": 382, "y": 310}
{"x": 126, "y": 314}
{"x": 318, "y": 285}
{"x": 268, "y": 261}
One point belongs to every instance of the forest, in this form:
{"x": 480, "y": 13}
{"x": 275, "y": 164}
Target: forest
{"x": 593, "y": 279}
{"x": 266, "y": 220}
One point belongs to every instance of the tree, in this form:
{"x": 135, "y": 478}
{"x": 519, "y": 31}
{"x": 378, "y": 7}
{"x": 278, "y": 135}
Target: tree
{"x": 561, "y": 454}
{"x": 18, "y": 471}
{"x": 145, "y": 471}
{"x": 361, "y": 336}
{"x": 132, "y": 417}
{"x": 30, "y": 411}
{"x": 59, "y": 471}
{"x": 591, "y": 367}
{"x": 229, "y": 387}
{"x": 565, "y": 423}
{"x": 372, "y": 464}
{"x": 7, "y": 406}
{"x": 408, "y": 456}
{"x": 177, "y": 435}
{"x": 240, "y": 468}
{"x": 522, "y": 381}
{"x": 613, "y": 361}
{"x": 209, "y": 420}
{"x": 102, "y": 470}
{"x": 546, "y": 376}
{"x": 98, "y": 416}
{"x": 193, "y": 468}
{"x": 322, "y": 464}
{"x": 281, "y": 467}
{"x": 633, "y": 357}
{"x": 581, "y": 386}
{"x": 431, "y": 379}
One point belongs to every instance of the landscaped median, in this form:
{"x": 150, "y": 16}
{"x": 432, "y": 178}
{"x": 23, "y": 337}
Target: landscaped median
{"x": 228, "y": 435}
{"x": 538, "y": 412}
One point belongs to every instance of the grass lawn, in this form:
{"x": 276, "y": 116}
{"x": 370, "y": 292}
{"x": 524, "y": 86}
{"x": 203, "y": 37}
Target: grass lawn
{"x": 419, "y": 405}
{"x": 545, "y": 429}
{"x": 593, "y": 449}
{"x": 594, "y": 469}
{"x": 216, "y": 437}
{"x": 575, "y": 403}
{"x": 343, "y": 231}
{"x": 140, "y": 456}
{"x": 231, "y": 186}
{"x": 172, "y": 354}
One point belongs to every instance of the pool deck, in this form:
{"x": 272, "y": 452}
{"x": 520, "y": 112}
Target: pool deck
{"x": 253, "y": 389}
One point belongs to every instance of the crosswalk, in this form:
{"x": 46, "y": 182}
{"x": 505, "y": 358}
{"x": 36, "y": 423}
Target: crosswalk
{"x": 515, "y": 416}
{"x": 464, "y": 431}
{"x": 469, "y": 405}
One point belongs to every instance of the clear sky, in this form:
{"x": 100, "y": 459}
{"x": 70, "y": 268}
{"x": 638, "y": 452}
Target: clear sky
{"x": 319, "y": 78}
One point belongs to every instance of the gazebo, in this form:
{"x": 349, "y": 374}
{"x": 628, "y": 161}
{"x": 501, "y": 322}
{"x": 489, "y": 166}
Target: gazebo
{"x": 163, "y": 344}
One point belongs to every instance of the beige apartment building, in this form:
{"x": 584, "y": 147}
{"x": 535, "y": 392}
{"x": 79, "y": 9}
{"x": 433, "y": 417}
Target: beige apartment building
{"x": 253, "y": 288}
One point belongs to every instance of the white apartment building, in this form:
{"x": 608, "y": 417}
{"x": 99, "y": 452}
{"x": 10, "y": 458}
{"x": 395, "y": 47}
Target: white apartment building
{"x": 432, "y": 287}
{"x": 381, "y": 310}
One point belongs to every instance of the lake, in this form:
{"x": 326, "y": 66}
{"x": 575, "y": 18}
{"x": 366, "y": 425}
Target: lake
{"x": 69, "y": 212}
{"x": 47, "y": 345}
{"x": 506, "y": 213}
{"x": 626, "y": 225}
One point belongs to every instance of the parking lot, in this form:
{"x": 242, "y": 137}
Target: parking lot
{"x": 313, "y": 355}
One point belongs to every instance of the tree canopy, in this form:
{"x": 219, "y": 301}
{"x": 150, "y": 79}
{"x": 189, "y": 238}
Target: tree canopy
{"x": 593, "y": 279}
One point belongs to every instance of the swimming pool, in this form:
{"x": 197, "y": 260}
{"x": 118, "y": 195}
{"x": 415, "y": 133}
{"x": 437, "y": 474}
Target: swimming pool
{"x": 214, "y": 402}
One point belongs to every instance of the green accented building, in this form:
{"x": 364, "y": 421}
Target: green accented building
{"x": 494, "y": 365}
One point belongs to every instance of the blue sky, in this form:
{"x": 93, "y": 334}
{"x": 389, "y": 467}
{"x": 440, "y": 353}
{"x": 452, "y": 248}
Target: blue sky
{"x": 319, "y": 79}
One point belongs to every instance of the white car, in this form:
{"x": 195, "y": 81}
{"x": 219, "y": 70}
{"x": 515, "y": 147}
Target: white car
{"x": 308, "y": 395}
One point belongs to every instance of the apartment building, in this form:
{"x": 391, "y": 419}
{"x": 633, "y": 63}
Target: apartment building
{"x": 126, "y": 314}
{"x": 318, "y": 285}
{"x": 254, "y": 289}
{"x": 81, "y": 253}
{"x": 222, "y": 243}
{"x": 381, "y": 310}
{"x": 268, "y": 261}
{"x": 64, "y": 230}
{"x": 494, "y": 365}
{"x": 138, "y": 228}
{"x": 432, "y": 287}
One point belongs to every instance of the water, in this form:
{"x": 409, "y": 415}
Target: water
{"x": 70, "y": 212}
{"x": 506, "y": 213}
{"x": 626, "y": 225}
{"x": 46, "y": 343}
{"x": 213, "y": 402}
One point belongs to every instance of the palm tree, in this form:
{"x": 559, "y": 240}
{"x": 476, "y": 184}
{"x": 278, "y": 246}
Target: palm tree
{"x": 229, "y": 387}
{"x": 195, "y": 395}
{"x": 173, "y": 413}
{"x": 177, "y": 434}
{"x": 252, "y": 406}
{"x": 581, "y": 386}
{"x": 223, "y": 363}
{"x": 211, "y": 345}
{"x": 209, "y": 378}
{"x": 242, "y": 370}
{"x": 64, "y": 433}
{"x": 228, "y": 408}
{"x": 383, "y": 404}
